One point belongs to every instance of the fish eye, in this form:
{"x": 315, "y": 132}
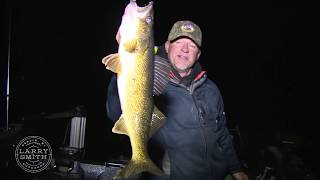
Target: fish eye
{"x": 148, "y": 19}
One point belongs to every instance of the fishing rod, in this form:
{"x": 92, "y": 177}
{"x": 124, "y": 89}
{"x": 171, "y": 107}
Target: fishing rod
{"x": 8, "y": 68}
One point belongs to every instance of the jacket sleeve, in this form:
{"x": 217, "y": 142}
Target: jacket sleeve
{"x": 113, "y": 103}
{"x": 226, "y": 142}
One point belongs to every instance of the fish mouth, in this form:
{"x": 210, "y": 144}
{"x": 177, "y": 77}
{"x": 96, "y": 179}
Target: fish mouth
{"x": 145, "y": 8}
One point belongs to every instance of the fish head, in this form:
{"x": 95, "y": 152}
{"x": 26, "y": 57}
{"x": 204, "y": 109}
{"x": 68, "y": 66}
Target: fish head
{"x": 137, "y": 21}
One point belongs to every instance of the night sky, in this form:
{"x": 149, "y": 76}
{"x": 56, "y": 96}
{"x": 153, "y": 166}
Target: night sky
{"x": 261, "y": 54}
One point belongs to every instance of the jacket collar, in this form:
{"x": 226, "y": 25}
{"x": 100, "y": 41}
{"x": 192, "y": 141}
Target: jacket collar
{"x": 196, "y": 74}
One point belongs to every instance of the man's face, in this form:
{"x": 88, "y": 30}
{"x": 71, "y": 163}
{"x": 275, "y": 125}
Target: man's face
{"x": 182, "y": 53}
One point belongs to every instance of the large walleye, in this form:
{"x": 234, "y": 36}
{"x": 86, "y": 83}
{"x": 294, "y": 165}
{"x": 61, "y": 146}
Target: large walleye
{"x": 138, "y": 80}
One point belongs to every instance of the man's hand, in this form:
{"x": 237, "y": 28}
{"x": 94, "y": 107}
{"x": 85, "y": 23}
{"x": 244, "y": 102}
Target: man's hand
{"x": 240, "y": 176}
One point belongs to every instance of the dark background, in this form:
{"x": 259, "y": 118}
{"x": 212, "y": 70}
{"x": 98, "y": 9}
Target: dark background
{"x": 261, "y": 54}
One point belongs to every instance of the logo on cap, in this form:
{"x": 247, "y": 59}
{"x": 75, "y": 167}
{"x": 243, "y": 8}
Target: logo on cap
{"x": 187, "y": 28}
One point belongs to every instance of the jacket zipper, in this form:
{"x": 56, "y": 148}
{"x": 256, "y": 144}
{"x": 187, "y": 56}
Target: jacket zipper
{"x": 201, "y": 123}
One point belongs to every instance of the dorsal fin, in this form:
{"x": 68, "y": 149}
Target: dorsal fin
{"x": 162, "y": 69}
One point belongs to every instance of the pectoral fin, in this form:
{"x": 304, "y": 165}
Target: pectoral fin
{"x": 112, "y": 62}
{"x": 120, "y": 127}
{"x": 158, "y": 119}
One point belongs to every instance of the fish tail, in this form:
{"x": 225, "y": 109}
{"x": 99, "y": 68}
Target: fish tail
{"x": 135, "y": 167}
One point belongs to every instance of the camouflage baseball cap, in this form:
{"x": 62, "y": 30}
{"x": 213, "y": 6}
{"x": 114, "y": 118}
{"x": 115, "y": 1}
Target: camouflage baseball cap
{"x": 186, "y": 28}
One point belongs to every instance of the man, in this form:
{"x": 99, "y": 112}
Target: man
{"x": 194, "y": 143}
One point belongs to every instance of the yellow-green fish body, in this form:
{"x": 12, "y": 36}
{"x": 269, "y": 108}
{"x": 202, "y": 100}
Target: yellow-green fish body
{"x": 134, "y": 65}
